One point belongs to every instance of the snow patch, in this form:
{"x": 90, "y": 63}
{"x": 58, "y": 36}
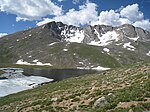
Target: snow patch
{"x": 106, "y": 38}
{"x": 52, "y": 43}
{"x": 74, "y": 54}
{"x": 30, "y": 56}
{"x": 81, "y": 63}
{"x": 118, "y": 44}
{"x": 65, "y": 50}
{"x": 129, "y": 46}
{"x": 20, "y": 83}
{"x": 133, "y": 38}
{"x": 95, "y": 43}
{"x": 73, "y": 35}
{"x": 36, "y": 62}
{"x": 148, "y": 54}
{"x": 99, "y": 68}
{"x": 21, "y": 62}
{"x": 84, "y": 68}
{"x": 96, "y": 32}
{"x": 106, "y": 50}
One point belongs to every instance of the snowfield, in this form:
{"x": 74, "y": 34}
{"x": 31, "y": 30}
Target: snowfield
{"x": 73, "y": 35}
{"x": 16, "y": 84}
{"x": 105, "y": 39}
{"x": 129, "y": 46}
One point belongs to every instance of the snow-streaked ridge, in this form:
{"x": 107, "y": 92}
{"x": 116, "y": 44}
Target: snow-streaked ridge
{"x": 105, "y": 39}
{"x": 73, "y": 35}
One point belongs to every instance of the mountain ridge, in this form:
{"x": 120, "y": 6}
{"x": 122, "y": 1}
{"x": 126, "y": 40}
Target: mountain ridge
{"x": 61, "y": 45}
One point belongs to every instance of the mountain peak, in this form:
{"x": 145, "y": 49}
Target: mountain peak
{"x": 67, "y": 45}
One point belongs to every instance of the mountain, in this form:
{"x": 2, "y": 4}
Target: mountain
{"x": 60, "y": 45}
{"x": 57, "y": 45}
{"x": 125, "y": 89}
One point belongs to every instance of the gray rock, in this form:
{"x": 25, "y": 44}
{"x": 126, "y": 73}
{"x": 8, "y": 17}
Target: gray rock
{"x": 128, "y": 30}
{"x": 100, "y": 102}
{"x": 143, "y": 35}
{"x": 54, "y": 99}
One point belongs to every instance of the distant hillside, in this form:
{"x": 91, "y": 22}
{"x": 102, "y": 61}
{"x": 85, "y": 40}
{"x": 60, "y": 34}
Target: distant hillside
{"x": 60, "y": 45}
{"x": 124, "y": 89}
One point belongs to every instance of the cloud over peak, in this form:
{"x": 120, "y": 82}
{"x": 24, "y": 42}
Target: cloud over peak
{"x": 84, "y": 15}
{"x": 132, "y": 13}
{"x": 88, "y": 14}
{"x": 124, "y": 15}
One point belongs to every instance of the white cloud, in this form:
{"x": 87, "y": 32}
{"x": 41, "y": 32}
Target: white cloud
{"x": 88, "y": 14}
{"x": 108, "y": 18}
{"x": 132, "y": 13}
{"x": 61, "y": 0}
{"x": 145, "y": 24}
{"x": 2, "y": 34}
{"x": 30, "y": 9}
{"x": 124, "y": 15}
{"x": 84, "y": 15}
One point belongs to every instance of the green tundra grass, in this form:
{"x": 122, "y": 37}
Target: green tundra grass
{"x": 125, "y": 89}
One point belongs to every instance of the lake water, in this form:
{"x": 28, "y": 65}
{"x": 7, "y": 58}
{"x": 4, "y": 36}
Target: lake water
{"x": 16, "y": 80}
{"x": 57, "y": 74}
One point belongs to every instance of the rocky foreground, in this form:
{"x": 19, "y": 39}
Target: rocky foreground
{"x": 120, "y": 90}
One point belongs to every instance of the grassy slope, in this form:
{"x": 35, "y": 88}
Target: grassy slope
{"x": 94, "y": 55}
{"x": 5, "y": 55}
{"x": 130, "y": 85}
{"x": 1, "y": 72}
{"x": 77, "y": 53}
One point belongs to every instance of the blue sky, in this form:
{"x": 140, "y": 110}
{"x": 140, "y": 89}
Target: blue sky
{"x": 16, "y": 15}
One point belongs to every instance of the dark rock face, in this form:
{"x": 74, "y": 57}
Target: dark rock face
{"x": 56, "y": 27}
{"x": 50, "y": 43}
{"x": 128, "y": 30}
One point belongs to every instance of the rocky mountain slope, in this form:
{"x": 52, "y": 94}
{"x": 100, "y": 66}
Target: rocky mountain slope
{"x": 60, "y": 45}
{"x": 124, "y": 89}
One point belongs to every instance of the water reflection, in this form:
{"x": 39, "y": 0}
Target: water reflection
{"x": 58, "y": 74}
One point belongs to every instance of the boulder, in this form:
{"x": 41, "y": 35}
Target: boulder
{"x": 100, "y": 102}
